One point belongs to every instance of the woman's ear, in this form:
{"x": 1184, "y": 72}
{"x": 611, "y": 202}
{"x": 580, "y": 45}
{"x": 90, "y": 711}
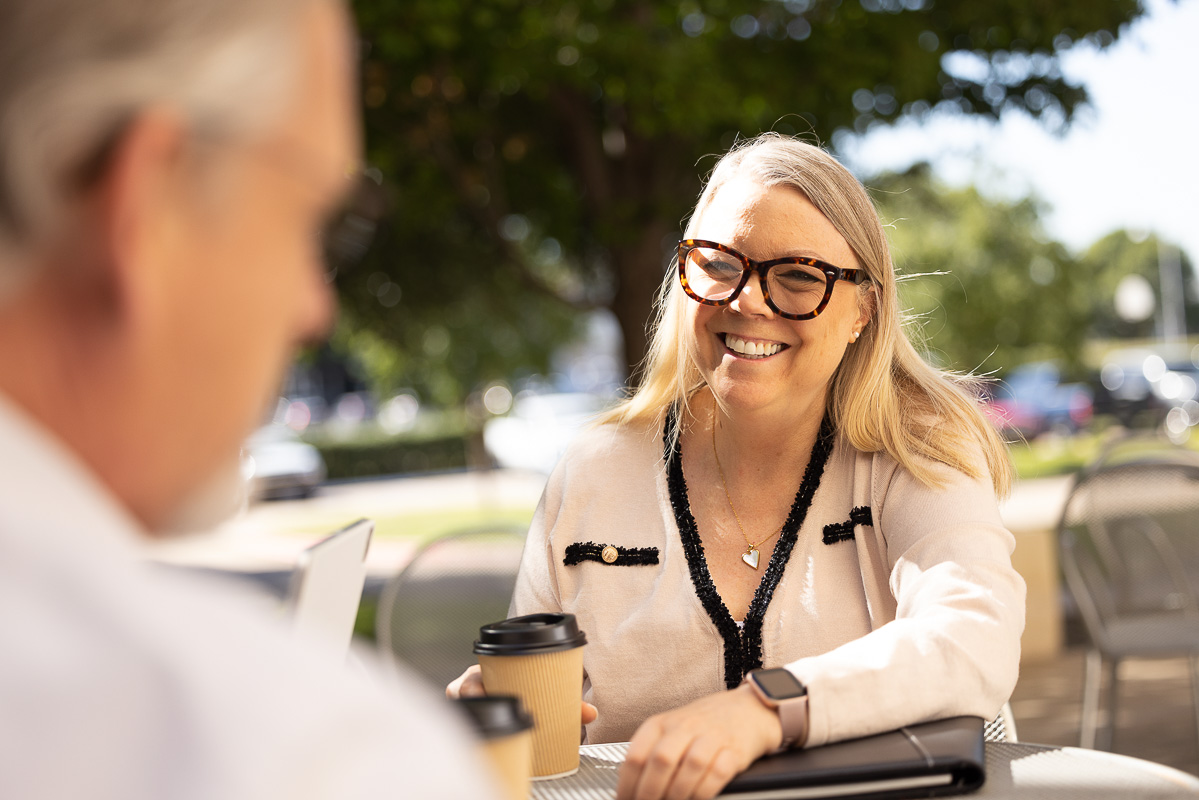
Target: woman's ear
{"x": 866, "y": 306}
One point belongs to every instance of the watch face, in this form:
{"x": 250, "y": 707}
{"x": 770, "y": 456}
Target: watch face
{"x": 779, "y": 684}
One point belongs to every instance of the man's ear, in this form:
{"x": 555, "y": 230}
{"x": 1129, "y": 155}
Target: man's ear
{"x": 134, "y": 207}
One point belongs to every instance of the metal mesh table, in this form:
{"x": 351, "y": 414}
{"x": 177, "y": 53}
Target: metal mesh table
{"x": 1018, "y": 771}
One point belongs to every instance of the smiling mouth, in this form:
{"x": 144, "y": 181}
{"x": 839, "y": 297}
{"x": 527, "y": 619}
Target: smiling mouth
{"x": 750, "y": 348}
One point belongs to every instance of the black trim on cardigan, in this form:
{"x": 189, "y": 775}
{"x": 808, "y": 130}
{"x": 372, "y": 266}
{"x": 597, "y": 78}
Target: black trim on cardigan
{"x": 625, "y": 556}
{"x": 843, "y": 531}
{"x": 742, "y": 648}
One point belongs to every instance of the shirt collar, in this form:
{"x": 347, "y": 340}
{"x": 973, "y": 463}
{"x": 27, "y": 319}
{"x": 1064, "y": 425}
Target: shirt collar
{"x": 47, "y": 491}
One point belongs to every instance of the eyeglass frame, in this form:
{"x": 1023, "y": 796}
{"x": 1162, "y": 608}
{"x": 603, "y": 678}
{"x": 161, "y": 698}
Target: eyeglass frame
{"x": 364, "y": 207}
{"x": 832, "y": 274}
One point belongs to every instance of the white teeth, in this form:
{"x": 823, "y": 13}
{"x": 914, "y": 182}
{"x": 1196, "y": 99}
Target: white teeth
{"x": 754, "y": 349}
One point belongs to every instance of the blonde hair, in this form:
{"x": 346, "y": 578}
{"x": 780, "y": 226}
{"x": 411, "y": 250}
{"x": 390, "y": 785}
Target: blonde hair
{"x": 883, "y": 396}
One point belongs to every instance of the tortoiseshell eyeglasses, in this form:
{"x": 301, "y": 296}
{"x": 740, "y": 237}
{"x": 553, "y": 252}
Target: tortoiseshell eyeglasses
{"x": 795, "y": 287}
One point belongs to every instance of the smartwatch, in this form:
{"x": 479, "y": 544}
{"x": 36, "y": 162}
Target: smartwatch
{"x": 778, "y": 689}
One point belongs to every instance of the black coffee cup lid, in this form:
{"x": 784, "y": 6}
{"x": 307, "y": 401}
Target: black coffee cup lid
{"x": 495, "y": 716}
{"x": 534, "y": 633}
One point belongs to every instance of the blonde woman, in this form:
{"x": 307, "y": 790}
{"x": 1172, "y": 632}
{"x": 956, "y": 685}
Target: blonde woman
{"x": 792, "y": 490}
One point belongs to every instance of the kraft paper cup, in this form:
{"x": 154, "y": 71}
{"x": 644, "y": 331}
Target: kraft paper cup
{"x": 507, "y": 734}
{"x": 539, "y": 658}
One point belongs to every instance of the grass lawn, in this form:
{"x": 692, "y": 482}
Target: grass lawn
{"x": 1056, "y": 455}
{"x": 431, "y": 524}
{"x": 419, "y": 526}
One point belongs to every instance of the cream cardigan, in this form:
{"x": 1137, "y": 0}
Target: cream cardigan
{"x": 898, "y": 602}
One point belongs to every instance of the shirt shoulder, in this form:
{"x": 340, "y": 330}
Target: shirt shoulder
{"x": 612, "y": 452}
{"x": 888, "y": 477}
{"x": 205, "y": 677}
{"x": 610, "y": 478}
{"x": 958, "y": 512}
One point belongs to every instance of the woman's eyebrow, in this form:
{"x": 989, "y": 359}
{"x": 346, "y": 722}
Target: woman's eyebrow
{"x": 802, "y": 252}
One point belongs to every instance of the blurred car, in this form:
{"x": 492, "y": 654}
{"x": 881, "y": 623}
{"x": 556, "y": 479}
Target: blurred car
{"x": 1125, "y": 393}
{"x": 534, "y": 435}
{"x": 1033, "y": 400}
{"x": 276, "y": 463}
{"x": 1178, "y": 391}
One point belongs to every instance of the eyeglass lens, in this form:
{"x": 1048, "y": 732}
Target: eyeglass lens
{"x": 794, "y": 288}
{"x": 346, "y": 237}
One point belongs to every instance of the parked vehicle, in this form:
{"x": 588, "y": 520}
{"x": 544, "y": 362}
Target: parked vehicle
{"x": 1032, "y": 400}
{"x": 276, "y": 463}
{"x": 1123, "y": 392}
{"x": 1178, "y": 392}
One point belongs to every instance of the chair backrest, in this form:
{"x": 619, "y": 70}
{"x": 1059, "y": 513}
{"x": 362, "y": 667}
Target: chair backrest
{"x": 1128, "y": 540}
{"x": 431, "y": 612}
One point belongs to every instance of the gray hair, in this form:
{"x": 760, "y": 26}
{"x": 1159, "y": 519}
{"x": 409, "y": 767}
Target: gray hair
{"x": 74, "y": 72}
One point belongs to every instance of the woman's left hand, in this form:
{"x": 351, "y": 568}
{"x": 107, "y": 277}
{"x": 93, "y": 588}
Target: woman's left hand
{"x": 691, "y": 752}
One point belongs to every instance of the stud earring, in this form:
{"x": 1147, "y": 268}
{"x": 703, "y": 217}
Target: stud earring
{"x": 856, "y": 334}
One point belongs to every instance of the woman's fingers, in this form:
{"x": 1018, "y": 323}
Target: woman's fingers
{"x": 693, "y": 769}
{"x": 468, "y": 684}
{"x": 691, "y": 752}
{"x": 651, "y": 760}
{"x": 676, "y": 766}
{"x": 723, "y": 769}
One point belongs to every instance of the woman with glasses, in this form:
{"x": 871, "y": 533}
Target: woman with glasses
{"x": 788, "y": 534}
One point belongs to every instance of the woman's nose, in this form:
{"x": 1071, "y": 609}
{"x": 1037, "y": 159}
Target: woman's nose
{"x": 751, "y": 302}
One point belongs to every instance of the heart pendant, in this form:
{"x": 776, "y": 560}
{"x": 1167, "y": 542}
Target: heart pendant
{"x": 751, "y": 557}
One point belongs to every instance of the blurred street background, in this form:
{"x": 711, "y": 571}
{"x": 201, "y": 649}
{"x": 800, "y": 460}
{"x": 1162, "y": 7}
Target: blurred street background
{"x": 1033, "y": 163}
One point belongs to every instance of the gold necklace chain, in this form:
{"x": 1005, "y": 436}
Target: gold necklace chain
{"x": 751, "y": 555}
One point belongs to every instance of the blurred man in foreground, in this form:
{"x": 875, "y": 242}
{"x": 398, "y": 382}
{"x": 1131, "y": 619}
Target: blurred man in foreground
{"x": 164, "y": 169}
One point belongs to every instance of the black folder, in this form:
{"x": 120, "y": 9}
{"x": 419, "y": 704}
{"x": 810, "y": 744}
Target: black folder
{"x": 931, "y": 759}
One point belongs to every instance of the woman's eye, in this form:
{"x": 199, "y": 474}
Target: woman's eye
{"x": 798, "y": 278}
{"x": 722, "y": 269}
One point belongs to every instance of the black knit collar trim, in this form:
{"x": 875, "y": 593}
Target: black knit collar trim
{"x": 742, "y": 648}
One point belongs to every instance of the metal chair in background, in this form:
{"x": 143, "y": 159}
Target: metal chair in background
{"x": 431, "y": 612}
{"x": 1129, "y": 543}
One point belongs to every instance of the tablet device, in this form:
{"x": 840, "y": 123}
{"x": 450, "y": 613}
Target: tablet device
{"x": 326, "y": 588}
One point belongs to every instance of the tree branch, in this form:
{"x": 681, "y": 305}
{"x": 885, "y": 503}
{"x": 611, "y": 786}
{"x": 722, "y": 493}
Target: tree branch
{"x": 488, "y": 218}
{"x": 576, "y": 118}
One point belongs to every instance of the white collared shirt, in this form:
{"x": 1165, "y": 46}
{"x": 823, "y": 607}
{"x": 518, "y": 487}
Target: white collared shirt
{"x": 123, "y": 680}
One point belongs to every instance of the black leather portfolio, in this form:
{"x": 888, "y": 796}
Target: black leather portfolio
{"x": 927, "y": 760}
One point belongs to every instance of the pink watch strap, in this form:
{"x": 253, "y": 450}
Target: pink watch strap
{"x": 793, "y": 717}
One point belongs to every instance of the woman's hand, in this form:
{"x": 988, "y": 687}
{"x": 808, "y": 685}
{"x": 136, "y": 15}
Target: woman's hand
{"x": 691, "y": 752}
{"x": 470, "y": 684}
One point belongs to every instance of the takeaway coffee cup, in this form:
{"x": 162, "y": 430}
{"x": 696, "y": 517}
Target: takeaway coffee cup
{"x": 507, "y": 734}
{"x": 539, "y": 658}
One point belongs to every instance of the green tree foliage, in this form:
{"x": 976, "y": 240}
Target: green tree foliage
{"x": 545, "y": 153}
{"x": 983, "y": 284}
{"x": 1117, "y": 256}
{"x": 986, "y": 289}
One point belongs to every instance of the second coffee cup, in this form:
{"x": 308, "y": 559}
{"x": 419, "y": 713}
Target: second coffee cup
{"x": 539, "y": 658}
{"x": 506, "y": 731}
